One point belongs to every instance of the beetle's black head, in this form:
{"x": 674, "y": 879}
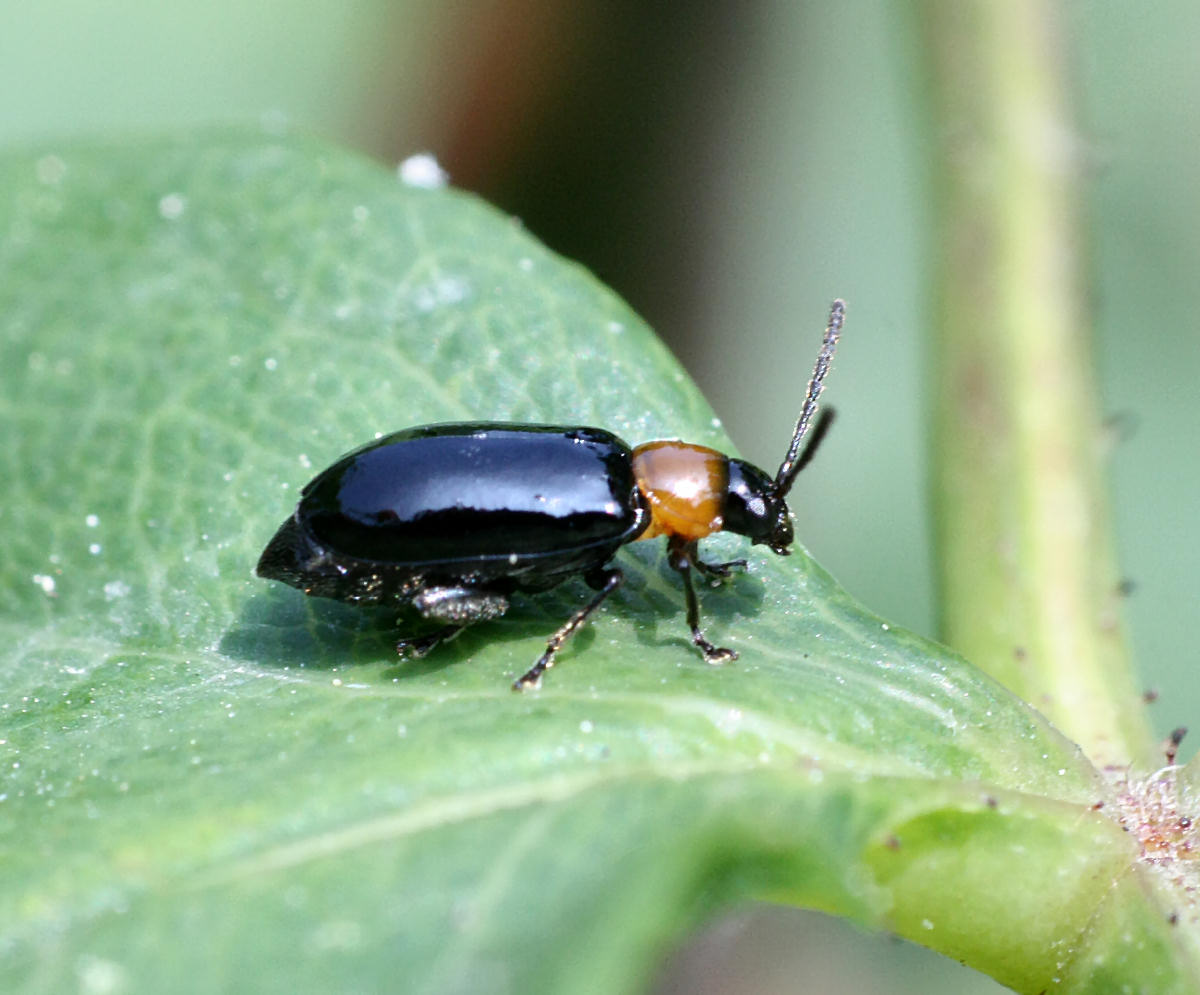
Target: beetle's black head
{"x": 754, "y": 508}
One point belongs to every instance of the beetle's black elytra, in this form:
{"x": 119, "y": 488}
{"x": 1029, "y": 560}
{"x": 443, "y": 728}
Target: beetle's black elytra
{"x": 452, "y": 519}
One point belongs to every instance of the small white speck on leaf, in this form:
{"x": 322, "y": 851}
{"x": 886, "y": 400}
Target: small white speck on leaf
{"x": 171, "y": 206}
{"x": 422, "y": 171}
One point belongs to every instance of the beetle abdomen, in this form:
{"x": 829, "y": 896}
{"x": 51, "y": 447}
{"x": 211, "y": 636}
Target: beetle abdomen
{"x": 293, "y": 557}
{"x": 476, "y": 492}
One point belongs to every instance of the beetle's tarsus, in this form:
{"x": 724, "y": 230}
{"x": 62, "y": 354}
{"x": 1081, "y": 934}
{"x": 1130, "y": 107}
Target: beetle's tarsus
{"x": 416, "y": 647}
{"x": 713, "y": 654}
{"x": 718, "y": 572}
{"x": 532, "y": 678}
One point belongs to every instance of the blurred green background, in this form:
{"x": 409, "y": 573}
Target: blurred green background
{"x": 729, "y": 169}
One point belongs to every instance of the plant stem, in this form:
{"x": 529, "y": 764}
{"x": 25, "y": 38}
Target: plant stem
{"x": 1029, "y": 589}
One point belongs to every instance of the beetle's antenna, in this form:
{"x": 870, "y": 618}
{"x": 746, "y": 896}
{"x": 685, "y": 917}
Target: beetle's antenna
{"x": 795, "y": 461}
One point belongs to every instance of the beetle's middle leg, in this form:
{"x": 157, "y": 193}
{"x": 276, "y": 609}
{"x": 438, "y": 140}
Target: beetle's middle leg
{"x": 681, "y": 555}
{"x": 605, "y": 581}
{"x": 458, "y": 607}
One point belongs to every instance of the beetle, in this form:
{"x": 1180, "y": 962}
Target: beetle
{"x": 453, "y": 518}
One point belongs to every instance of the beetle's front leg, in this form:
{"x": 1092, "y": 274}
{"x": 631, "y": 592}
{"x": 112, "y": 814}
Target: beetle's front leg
{"x": 682, "y": 557}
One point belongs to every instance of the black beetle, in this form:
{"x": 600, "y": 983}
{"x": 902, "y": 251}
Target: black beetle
{"x": 454, "y": 518}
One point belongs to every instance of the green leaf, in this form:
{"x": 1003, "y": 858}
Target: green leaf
{"x": 213, "y": 783}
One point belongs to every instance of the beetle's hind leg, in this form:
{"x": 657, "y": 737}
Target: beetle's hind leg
{"x": 458, "y": 607}
{"x": 682, "y": 556}
{"x": 605, "y": 581}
